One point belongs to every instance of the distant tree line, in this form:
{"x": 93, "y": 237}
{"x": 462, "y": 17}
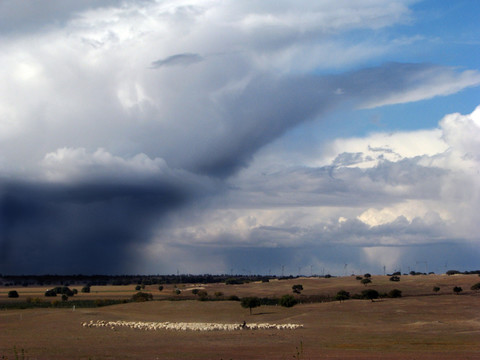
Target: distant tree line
{"x": 99, "y": 280}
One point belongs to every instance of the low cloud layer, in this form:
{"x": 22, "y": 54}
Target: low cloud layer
{"x": 135, "y": 137}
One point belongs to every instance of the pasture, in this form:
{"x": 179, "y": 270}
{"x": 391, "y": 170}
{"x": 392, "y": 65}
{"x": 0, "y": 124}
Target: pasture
{"x": 420, "y": 325}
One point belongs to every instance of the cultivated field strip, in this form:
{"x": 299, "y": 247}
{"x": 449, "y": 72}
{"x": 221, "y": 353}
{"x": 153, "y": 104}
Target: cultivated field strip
{"x": 183, "y": 326}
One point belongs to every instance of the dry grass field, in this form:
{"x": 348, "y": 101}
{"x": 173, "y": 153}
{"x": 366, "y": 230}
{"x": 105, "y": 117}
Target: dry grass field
{"x": 420, "y": 325}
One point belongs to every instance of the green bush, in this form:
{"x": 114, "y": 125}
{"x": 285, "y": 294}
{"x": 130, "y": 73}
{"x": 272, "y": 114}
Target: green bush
{"x": 202, "y": 295}
{"x": 250, "y": 302}
{"x": 13, "y": 294}
{"x": 342, "y": 295}
{"x": 287, "y": 301}
{"x": 366, "y": 281}
{"x": 233, "y": 281}
{"x": 142, "y": 296}
{"x": 395, "y": 293}
{"x": 475, "y": 287}
{"x": 370, "y": 294}
{"x": 297, "y": 288}
{"x": 457, "y": 290}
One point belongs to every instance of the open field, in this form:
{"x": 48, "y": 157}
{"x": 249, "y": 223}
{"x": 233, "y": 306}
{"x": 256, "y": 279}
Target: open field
{"x": 419, "y": 325}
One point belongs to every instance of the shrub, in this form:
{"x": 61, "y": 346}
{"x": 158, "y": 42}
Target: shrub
{"x": 85, "y": 289}
{"x": 160, "y": 288}
{"x": 138, "y": 288}
{"x": 142, "y": 296}
{"x": 436, "y": 289}
{"x": 452, "y": 272}
{"x": 177, "y": 291}
{"x": 64, "y": 297}
{"x": 195, "y": 291}
{"x": 13, "y": 294}
{"x": 62, "y": 290}
{"x": 250, "y": 302}
{"x": 342, "y": 295}
{"x": 287, "y": 301}
{"x": 328, "y": 276}
{"x": 358, "y": 278}
{"x": 202, "y": 294}
{"x": 475, "y": 287}
{"x": 366, "y": 281}
{"x": 395, "y": 293}
{"x": 457, "y": 290}
{"x": 233, "y": 298}
{"x": 297, "y": 288}
{"x": 395, "y": 278}
{"x": 370, "y": 294}
{"x": 218, "y": 294}
{"x": 233, "y": 281}
{"x": 36, "y": 300}
{"x": 367, "y": 275}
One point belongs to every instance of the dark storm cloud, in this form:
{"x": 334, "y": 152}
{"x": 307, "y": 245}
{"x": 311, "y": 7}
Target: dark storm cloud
{"x": 87, "y": 227}
{"x": 31, "y": 15}
{"x": 269, "y": 106}
{"x": 178, "y": 59}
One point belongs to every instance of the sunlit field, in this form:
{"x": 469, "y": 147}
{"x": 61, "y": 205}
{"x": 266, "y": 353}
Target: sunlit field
{"x": 422, "y": 324}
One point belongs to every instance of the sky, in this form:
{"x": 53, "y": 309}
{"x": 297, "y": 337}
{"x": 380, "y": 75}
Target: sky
{"x": 239, "y": 137}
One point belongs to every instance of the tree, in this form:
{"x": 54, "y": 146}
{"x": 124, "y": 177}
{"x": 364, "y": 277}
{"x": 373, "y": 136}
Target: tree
{"x": 365, "y": 281}
{"x": 475, "y": 287}
{"x": 452, "y": 272}
{"x": 370, "y": 294}
{"x": 342, "y": 295}
{"x": 395, "y": 293}
{"x": 160, "y": 288}
{"x": 85, "y": 289}
{"x": 367, "y": 275}
{"x": 250, "y": 302}
{"x": 50, "y": 293}
{"x": 457, "y": 290}
{"x": 287, "y": 301}
{"x": 297, "y": 288}
{"x": 395, "y": 278}
{"x": 13, "y": 294}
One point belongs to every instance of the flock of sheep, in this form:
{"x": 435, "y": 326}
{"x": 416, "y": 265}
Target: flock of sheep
{"x": 187, "y": 326}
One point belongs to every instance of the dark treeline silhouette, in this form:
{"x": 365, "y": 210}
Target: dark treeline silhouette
{"x": 99, "y": 280}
